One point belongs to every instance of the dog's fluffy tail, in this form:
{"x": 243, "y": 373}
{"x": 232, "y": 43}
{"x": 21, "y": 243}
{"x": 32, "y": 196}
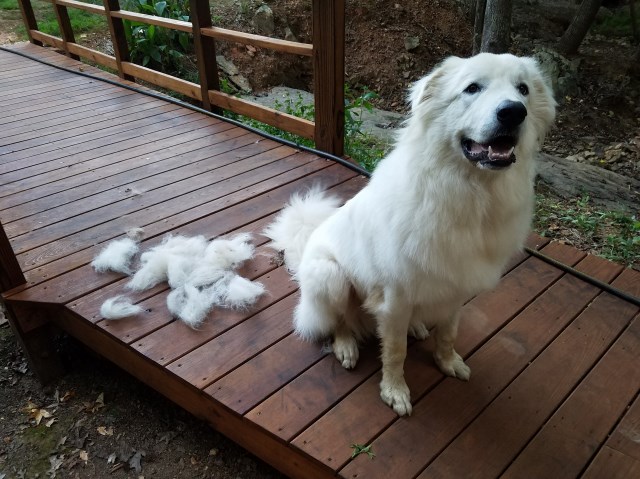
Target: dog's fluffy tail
{"x": 292, "y": 228}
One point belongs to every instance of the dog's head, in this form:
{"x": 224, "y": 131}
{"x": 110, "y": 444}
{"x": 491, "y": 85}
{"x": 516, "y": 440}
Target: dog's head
{"x": 492, "y": 109}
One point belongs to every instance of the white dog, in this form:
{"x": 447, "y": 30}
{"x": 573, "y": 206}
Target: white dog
{"x": 437, "y": 223}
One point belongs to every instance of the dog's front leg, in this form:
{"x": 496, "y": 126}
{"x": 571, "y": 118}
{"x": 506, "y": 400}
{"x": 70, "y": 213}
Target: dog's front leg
{"x": 446, "y": 357}
{"x": 393, "y": 318}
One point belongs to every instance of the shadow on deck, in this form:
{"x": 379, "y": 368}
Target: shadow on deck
{"x": 554, "y": 391}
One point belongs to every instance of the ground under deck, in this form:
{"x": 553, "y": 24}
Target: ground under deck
{"x": 555, "y": 382}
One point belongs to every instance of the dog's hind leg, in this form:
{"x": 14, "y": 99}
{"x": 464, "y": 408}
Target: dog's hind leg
{"x": 446, "y": 357}
{"x": 393, "y": 315}
{"x": 324, "y": 298}
{"x": 418, "y": 326}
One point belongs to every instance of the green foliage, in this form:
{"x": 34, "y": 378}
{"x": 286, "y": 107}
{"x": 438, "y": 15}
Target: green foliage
{"x": 8, "y": 4}
{"x": 155, "y": 47}
{"x": 362, "y": 449}
{"x": 616, "y": 25}
{"x": 81, "y": 22}
{"x": 364, "y": 148}
{"x": 610, "y": 234}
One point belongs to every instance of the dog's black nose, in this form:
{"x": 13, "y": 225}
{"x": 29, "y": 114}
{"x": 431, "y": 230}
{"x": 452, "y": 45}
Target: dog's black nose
{"x": 511, "y": 113}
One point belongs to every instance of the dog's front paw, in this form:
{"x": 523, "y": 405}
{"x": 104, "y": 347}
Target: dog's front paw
{"x": 346, "y": 351}
{"x": 454, "y": 367}
{"x": 397, "y": 396}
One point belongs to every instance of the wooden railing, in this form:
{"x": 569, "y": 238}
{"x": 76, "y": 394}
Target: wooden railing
{"x": 326, "y": 51}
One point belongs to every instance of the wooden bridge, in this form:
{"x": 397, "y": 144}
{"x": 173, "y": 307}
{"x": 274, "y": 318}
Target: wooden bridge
{"x": 554, "y": 390}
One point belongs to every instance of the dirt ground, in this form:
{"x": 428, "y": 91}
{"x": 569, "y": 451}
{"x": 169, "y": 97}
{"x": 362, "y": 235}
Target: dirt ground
{"x": 99, "y": 422}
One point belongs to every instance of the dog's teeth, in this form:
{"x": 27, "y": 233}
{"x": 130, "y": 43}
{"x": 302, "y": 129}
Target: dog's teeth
{"x": 511, "y": 152}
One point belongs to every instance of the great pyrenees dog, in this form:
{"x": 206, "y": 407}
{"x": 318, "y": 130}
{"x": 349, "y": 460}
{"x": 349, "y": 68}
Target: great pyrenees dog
{"x": 436, "y": 224}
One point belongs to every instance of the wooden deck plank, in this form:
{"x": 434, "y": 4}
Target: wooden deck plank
{"x": 63, "y": 103}
{"x": 86, "y": 122}
{"x": 550, "y": 305}
{"x": 573, "y": 434}
{"x": 245, "y": 372}
{"x": 507, "y": 424}
{"x": 129, "y": 171}
{"x": 146, "y": 210}
{"x": 118, "y": 163}
{"x": 80, "y": 281}
{"x": 117, "y": 200}
{"x": 408, "y": 445}
{"x": 64, "y": 153}
{"x": 40, "y": 159}
{"x": 612, "y": 464}
{"x": 219, "y": 169}
{"x": 52, "y": 119}
{"x": 250, "y": 210}
{"x": 109, "y": 124}
{"x": 626, "y": 436}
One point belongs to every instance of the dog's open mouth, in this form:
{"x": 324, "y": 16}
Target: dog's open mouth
{"x": 496, "y": 154}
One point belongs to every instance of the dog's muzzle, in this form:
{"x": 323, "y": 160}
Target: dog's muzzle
{"x": 497, "y": 152}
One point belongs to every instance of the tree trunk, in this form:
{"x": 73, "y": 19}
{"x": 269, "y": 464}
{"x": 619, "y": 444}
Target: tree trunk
{"x": 579, "y": 27}
{"x": 496, "y": 34}
{"x": 634, "y": 25}
{"x": 478, "y": 25}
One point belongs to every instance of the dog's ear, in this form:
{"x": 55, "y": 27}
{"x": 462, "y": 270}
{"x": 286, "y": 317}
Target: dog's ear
{"x": 426, "y": 87}
{"x": 543, "y": 106}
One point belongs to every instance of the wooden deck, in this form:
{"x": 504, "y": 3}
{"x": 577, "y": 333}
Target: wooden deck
{"x": 555, "y": 383}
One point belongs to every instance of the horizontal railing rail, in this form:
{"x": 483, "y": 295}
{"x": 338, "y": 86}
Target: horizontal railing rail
{"x": 326, "y": 52}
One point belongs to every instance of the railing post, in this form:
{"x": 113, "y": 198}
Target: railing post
{"x": 328, "y": 73}
{"x": 205, "y": 52}
{"x": 10, "y": 270}
{"x": 65, "y": 28}
{"x": 118, "y": 37}
{"x": 29, "y": 19}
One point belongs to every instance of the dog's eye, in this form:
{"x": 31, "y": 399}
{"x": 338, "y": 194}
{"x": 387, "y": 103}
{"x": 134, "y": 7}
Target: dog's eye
{"x": 523, "y": 89}
{"x": 472, "y": 88}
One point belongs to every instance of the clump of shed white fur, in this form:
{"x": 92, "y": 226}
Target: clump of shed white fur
{"x": 201, "y": 274}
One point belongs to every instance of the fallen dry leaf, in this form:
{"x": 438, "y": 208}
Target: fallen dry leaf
{"x": 112, "y": 458}
{"x": 96, "y": 405}
{"x": 67, "y": 396}
{"x": 84, "y": 455}
{"x": 36, "y": 413}
{"x": 50, "y": 422}
{"x": 194, "y": 461}
{"x": 103, "y": 431}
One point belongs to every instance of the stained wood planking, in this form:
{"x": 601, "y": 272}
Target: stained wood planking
{"x": 73, "y": 189}
{"x": 211, "y": 169}
{"x": 286, "y": 399}
{"x": 627, "y": 433}
{"x": 505, "y": 427}
{"x": 44, "y": 245}
{"x": 612, "y": 464}
{"x": 120, "y": 163}
{"x": 78, "y": 282}
{"x": 406, "y": 445}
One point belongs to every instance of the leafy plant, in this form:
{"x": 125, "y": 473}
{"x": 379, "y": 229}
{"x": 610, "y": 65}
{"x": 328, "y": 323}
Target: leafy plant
{"x": 619, "y": 24}
{"x": 159, "y": 48}
{"x": 364, "y": 148}
{"x": 610, "y": 234}
{"x": 362, "y": 449}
